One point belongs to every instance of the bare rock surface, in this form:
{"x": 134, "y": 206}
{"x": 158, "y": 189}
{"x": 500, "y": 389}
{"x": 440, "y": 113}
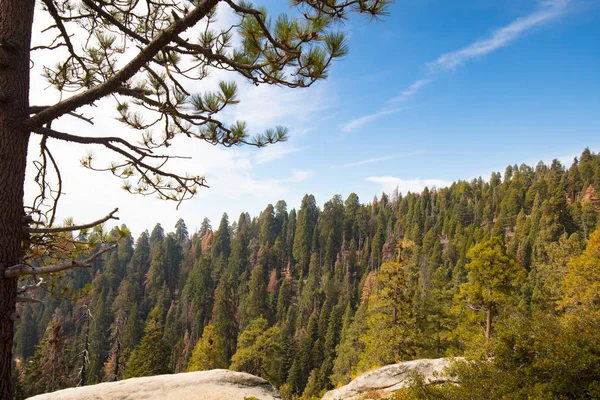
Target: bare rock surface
{"x": 388, "y": 379}
{"x": 218, "y": 384}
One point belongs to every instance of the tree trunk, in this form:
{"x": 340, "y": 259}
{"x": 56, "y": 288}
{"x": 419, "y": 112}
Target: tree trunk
{"x": 488, "y": 328}
{"x": 16, "y": 19}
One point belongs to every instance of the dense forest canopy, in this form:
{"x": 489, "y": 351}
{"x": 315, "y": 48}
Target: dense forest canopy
{"x": 506, "y": 268}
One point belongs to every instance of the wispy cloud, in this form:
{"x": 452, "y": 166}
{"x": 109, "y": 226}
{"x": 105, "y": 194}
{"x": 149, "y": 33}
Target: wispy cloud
{"x": 548, "y": 10}
{"x": 389, "y": 183}
{"x": 298, "y": 176}
{"x": 360, "y": 121}
{"x": 376, "y": 159}
{"x": 272, "y": 153}
{"x": 357, "y": 122}
{"x": 412, "y": 89}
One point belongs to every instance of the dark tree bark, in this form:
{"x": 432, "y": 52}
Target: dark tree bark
{"x": 16, "y": 19}
{"x": 488, "y": 327}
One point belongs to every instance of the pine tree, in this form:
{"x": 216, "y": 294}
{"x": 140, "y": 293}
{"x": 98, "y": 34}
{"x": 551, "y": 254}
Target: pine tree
{"x": 26, "y": 335}
{"x": 224, "y": 321}
{"x": 151, "y": 357}
{"x": 48, "y": 369}
{"x": 391, "y": 334}
{"x": 493, "y": 277}
{"x": 157, "y": 235}
{"x": 181, "y": 232}
{"x": 205, "y": 356}
{"x": 305, "y": 226}
{"x": 350, "y": 347}
{"x": 259, "y": 351}
{"x": 221, "y": 246}
{"x": 256, "y": 305}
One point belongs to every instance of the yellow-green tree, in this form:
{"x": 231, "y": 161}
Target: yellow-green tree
{"x": 259, "y": 351}
{"x": 206, "y": 355}
{"x": 581, "y": 285}
{"x": 493, "y": 278}
{"x": 391, "y": 330}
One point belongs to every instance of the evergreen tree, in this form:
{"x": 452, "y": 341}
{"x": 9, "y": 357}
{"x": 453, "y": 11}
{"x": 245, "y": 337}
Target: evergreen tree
{"x": 48, "y": 369}
{"x": 350, "y": 347}
{"x": 493, "y": 277}
{"x": 259, "y": 351}
{"x": 221, "y": 246}
{"x": 206, "y": 354}
{"x": 305, "y": 226}
{"x": 151, "y": 357}
{"x": 157, "y": 235}
{"x": 391, "y": 334}
{"x": 181, "y": 232}
{"x": 256, "y": 305}
{"x": 26, "y": 336}
{"x": 224, "y": 321}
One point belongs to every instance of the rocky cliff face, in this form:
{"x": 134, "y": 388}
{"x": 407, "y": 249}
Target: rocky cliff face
{"x": 385, "y": 380}
{"x": 218, "y": 384}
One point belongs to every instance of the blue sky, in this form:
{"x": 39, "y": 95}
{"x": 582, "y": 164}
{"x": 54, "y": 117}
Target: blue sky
{"x": 437, "y": 91}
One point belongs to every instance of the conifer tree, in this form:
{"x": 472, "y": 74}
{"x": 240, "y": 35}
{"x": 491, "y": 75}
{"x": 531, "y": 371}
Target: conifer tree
{"x": 305, "y": 226}
{"x": 26, "y": 335}
{"x": 221, "y": 246}
{"x": 198, "y": 296}
{"x": 391, "y": 335}
{"x": 206, "y": 354}
{"x": 100, "y": 306}
{"x": 493, "y": 277}
{"x": 48, "y": 369}
{"x": 350, "y": 347}
{"x": 181, "y": 232}
{"x": 256, "y": 304}
{"x": 259, "y": 351}
{"x": 151, "y": 357}
{"x": 224, "y": 321}
{"x": 157, "y": 235}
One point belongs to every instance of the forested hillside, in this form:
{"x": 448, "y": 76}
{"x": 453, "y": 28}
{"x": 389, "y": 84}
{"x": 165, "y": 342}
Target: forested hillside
{"x": 308, "y": 298}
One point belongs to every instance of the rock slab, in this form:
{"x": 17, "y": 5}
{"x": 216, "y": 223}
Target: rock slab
{"x": 218, "y": 384}
{"x": 388, "y": 379}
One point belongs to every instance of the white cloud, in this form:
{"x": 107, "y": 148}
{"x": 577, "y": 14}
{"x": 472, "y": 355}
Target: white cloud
{"x": 357, "y": 122}
{"x": 549, "y": 10}
{"x": 265, "y": 106}
{"x": 500, "y": 37}
{"x": 360, "y": 121}
{"x": 389, "y": 183}
{"x": 412, "y": 89}
{"x": 376, "y": 159}
{"x": 272, "y": 153}
{"x": 298, "y": 176}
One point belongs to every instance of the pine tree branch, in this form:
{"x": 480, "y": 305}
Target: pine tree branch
{"x": 23, "y": 269}
{"x": 25, "y": 288}
{"x": 37, "y": 109}
{"x": 63, "y": 32}
{"x": 126, "y": 73}
{"x": 111, "y": 215}
{"x": 21, "y": 299}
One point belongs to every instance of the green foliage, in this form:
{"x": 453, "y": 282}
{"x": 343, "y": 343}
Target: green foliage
{"x": 310, "y": 302}
{"x": 259, "y": 351}
{"x": 224, "y": 321}
{"x": 493, "y": 278}
{"x": 206, "y": 355}
{"x": 48, "y": 368}
{"x": 391, "y": 332}
{"x": 151, "y": 357}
